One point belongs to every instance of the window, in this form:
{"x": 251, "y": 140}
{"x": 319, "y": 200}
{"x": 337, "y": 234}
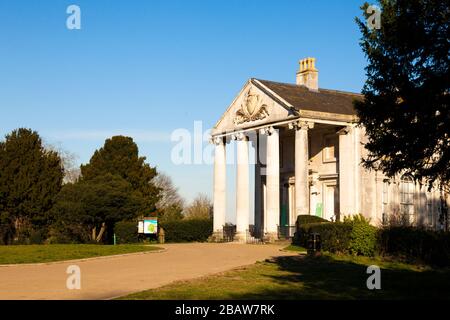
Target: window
{"x": 385, "y": 196}
{"x": 429, "y": 208}
{"x": 329, "y": 148}
{"x": 407, "y": 196}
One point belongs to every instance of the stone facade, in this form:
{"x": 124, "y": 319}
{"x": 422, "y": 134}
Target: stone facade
{"x": 308, "y": 150}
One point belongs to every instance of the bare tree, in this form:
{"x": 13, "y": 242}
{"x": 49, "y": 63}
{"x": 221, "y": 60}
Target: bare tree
{"x": 171, "y": 203}
{"x": 69, "y": 162}
{"x": 200, "y": 208}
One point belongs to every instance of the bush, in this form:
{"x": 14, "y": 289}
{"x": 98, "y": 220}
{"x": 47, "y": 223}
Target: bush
{"x": 306, "y": 219}
{"x": 355, "y": 235}
{"x": 335, "y": 236}
{"x": 126, "y": 232}
{"x": 37, "y": 237}
{"x": 187, "y": 230}
{"x": 411, "y": 243}
{"x": 363, "y": 237}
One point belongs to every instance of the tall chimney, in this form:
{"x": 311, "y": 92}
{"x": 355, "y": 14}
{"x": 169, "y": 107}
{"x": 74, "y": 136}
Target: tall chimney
{"x": 308, "y": 75}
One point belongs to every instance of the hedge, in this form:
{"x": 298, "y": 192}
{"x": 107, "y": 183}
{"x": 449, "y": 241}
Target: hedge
{"x": 334, "y": 236}
{"x": 356, "y": 236}
{"x": 428, "y": 246}
{"x": 306, "y": 219}
{"x": 126, "y": 232}
{"x": 191, "y": 230}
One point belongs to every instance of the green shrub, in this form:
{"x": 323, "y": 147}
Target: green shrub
{"x": 334, "y": 236}
{"x": 428, "y": 246}
{"x": 363, "y": 237}
{"x": 126, "y": 232}
{"x": 306, "y": 219}
{"x": 37, "y": 237}
{"x": 187, "y": 230}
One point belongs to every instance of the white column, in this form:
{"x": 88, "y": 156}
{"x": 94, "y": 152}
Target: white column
{"x": 242, "y": 188}
{"x": 272, "y": 181}
{"x": 219, "y": 201}
{"x": 347, "y": 192}
{"x": 301, "y": 166}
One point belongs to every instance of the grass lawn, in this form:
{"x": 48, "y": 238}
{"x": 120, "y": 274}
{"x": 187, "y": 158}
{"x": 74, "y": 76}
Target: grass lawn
{"x": 303, "y": 277}
{"x": 295, "y": 248}
{"x": 58, "y": 252}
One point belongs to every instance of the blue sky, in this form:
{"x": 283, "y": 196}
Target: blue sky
{"x": 146, "y": 68}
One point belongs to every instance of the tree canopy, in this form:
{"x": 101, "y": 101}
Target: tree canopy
{"x": 405, "y": 110}
{"x": 92, "y": 204}
{"x": 30, "y": 178}
{"x": 120, "y": 156}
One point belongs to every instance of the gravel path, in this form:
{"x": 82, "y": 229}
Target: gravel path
{"x": 115, "y": 276}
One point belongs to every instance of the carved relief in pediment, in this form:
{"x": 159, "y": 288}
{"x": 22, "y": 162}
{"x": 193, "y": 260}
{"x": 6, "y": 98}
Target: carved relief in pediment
{"x": 251, "y": 109}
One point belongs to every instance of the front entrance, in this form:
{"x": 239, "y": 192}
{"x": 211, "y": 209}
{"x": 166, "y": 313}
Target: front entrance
{"x": 331, "y": 201}
{"x": 286, "y": 227}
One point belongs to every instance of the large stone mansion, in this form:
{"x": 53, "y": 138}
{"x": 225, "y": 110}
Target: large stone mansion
{"x": 309, "y": 149}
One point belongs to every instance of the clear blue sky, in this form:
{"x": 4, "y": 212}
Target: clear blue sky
{"x": 145, "y": 68}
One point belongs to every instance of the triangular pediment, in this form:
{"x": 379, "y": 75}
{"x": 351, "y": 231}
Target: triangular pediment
{"x": 254, "y": 106}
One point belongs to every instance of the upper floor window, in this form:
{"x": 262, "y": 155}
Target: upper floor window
{"x": 429, "y": 196}
{"x": 407, "y": 195}
{"x": 385, "y": 195}
{"x": 330, "y": 150}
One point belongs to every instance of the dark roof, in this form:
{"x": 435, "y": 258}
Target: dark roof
{"x": 323, "y": 100}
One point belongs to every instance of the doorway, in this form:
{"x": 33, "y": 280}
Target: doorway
{"x": 331, "y": 201}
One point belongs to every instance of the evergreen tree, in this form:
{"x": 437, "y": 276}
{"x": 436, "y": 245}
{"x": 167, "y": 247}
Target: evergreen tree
{"x": 405, "y": 110}
{"x": 30, "y": 178}
{"x": 120, "y": 156}
{"x": 87, "y": 209}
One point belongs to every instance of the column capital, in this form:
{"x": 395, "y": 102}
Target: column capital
{"x": 267, "y": 130}
{"x": 240, "y": 136}
{"x": 217, "y": 141}
{"x": 345, "y": 130}
{"x": 301, "y": 125}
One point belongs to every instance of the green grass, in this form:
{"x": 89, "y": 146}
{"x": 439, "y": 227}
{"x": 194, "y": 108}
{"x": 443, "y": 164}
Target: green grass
{"x": 303, "y": 277}
{"x": 295, "y": 248}
{"x": 58, "y": 252}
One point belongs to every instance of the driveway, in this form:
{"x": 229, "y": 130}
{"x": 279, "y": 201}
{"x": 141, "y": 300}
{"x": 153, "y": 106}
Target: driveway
{"x": 115, "y": 276}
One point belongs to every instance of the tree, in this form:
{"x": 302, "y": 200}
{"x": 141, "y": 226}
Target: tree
{"x": 405, "y": 110}
{"x": 200, "y": 208}
{"x": 120, "y": 156}
{"x": 30, "y": 179}
{"x": 69, "y": 161}
{"x": 170, "y": 205}
{"x": 87, "y": 209}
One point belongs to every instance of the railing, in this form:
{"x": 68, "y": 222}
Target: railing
{"x": 229, "y": 231}
{"x": 286, "y": 232}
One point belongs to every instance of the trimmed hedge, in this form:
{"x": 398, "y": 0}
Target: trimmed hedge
{"x": 428, "y": 246}
{"x": 191, "y": 230}
{"x": 334, "y": 236}
{"x": 306, "y": 219}
{"x": 126, "y": 232}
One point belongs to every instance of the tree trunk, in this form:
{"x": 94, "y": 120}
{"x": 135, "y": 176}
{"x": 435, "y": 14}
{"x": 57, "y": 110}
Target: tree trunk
{"x": 100, "y": 234}
{"x": 94, "y": 233}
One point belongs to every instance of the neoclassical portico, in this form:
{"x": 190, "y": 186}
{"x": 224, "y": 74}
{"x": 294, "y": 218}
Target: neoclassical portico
{"x": 280, "y": 135}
